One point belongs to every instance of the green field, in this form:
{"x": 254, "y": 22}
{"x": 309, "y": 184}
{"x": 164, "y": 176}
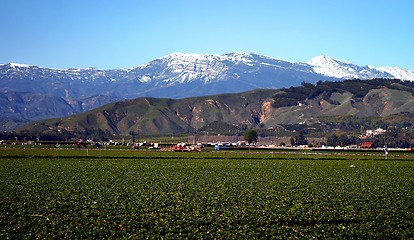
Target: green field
{"x": 78, "y": 194}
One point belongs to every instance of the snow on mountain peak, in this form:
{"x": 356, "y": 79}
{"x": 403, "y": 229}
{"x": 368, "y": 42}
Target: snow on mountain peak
{"x": 187, "y": 58}
{"x": 186, "y": 67}
{"x": 194, "y": 57}
{"x": 332, "y": 67}
{"x": 320, "y": 60}
{"x": 399, "y": 73}
{"x": 14, "y": 65}
{"x": 324, "y": 60}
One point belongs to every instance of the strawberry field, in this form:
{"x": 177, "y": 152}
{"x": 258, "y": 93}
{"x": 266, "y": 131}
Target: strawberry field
{"x": 63, "y": 195}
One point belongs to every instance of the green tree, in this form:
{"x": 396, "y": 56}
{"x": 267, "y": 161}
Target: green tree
{"x": 343, "y": 140}
{"x": 332, "y": 140}
{"x": 299, "y": 139}
{"x": 250, "y": 136}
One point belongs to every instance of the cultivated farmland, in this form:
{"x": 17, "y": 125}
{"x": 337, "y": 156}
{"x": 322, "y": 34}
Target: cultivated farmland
{"x": 76, "y": 194}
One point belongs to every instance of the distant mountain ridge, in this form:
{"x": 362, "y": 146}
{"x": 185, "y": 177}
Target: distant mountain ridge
{"x": 177, "y": 75}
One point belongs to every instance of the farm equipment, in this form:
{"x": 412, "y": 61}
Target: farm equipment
{"x": 82, "y": 144}
{"x": 183, "y": 147}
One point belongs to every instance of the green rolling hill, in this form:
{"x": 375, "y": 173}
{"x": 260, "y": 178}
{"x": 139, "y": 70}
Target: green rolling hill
{"x": 306, "y": 105}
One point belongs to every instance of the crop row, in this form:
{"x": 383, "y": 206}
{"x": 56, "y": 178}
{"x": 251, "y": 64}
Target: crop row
{"x": 205, "y": 198}
{"x": 147, "y": 154}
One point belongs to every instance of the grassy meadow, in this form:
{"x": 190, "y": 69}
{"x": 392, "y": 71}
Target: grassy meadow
{"x": 78, "y": 194}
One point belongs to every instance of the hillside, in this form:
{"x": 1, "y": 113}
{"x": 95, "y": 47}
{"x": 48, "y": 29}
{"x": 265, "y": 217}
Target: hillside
{"x": 265, "y": 109}
{"x": 177, "y": 75}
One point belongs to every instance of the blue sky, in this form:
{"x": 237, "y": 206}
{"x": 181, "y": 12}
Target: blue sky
{"x": 115, "y": 34}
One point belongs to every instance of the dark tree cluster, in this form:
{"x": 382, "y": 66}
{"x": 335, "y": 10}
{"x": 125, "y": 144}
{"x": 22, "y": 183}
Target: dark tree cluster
{"x": 299, "y": 139}
{"x": 291, "y": 96}
{"x": 341, "y": 140}
{"x": 359, "y": 88}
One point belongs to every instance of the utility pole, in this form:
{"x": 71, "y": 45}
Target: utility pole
{"x": 194, "y": 138}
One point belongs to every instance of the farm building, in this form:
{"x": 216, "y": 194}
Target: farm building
{"x": 367, "y": 145}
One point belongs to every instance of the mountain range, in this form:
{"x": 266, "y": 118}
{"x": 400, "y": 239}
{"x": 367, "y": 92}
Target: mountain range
{"x": 307, "y": 105}
{"x": 30, "y": 93}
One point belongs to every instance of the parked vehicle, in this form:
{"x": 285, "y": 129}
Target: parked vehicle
{"x": 183, "y": 147}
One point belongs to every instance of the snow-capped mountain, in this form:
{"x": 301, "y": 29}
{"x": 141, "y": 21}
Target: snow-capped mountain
{"x": 175, "y": 71}
{"x": 176, "y": 75}
{"x": 331, "y": 67}
{"x": 398, "y": 73}
{"x": 207, "y": 68}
